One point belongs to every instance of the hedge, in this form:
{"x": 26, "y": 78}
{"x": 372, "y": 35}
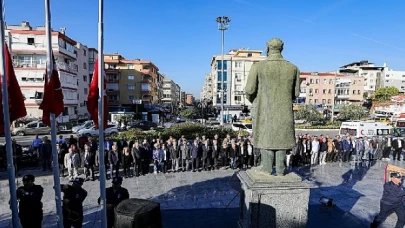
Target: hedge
{"x": 300, "y": 126}
{"x": 190, "y": 131}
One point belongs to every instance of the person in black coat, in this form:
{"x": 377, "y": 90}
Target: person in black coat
{"x": 206, "y": 154}
{"x": 136, "y": 153}
{"x": 195, "y": 152}
{"x": 29, "y": 197}
{"x": 62, "y": 151}
{"x": 216, "y": 150}
{"x": 114, "y": 195}
{"x": 392, "y": 201}
{"x": 46, "y": 154}
{"x": 73, "y": 197}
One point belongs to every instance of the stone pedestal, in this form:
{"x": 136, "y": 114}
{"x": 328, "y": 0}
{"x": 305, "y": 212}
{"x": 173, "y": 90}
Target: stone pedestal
{"x": 138, "y": 213}
{"x": 273, "y": 201}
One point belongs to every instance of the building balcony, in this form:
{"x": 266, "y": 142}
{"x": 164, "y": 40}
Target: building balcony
{"x": 146, "y": 92}
{"x": 343, "y": 96}
{"x": 112, "y": 70}
{"x": 38, "y": 101}
{"x": 113, "y": 80}
{"x": 70, "y": 67}
{"x": 29, "y": 64}
{"x": 112, "y": 92}
{"x": 146, "y": 71}
{"x": 113, "y": 102}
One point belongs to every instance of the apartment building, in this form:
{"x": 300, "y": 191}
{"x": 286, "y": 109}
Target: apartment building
{"x": 83, "y": 80}
{"x": 171, "y": 92}
{"x": 190, "y": 99}
{"x": 28, "y": 50}
{"x": 237, "y": 64}
{"x": 207, "y": 92}
{"x": 369, "y": 71}
{"x": 393, "y": 78}
{"x": 327, "y": 89}
{"x": 130, "y": 80}
{"x": 92, "y": 54}
{"x": 182, "y": 98}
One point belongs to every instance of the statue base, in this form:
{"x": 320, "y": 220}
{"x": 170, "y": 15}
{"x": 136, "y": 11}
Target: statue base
{"x": 273, "y": 201}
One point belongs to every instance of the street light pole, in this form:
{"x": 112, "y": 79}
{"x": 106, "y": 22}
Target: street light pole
{"x": 223, "y": 23}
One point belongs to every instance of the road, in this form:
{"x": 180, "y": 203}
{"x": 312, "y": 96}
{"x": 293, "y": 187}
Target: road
{"x": 26, "y": 140}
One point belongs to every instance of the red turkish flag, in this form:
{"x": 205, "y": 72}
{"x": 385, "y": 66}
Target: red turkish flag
{"x": 15, "y": 97}
{"x": 93, "y": 98}
{"x": 52, "y": 100}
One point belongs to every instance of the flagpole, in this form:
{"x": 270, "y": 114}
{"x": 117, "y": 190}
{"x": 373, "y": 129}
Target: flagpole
{"x": 7, "y": 132}
{"x": 101, "y": 112}
{"x": 56, "y": 179}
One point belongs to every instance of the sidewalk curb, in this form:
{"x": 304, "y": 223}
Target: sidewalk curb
{"x": 302, "y": 129}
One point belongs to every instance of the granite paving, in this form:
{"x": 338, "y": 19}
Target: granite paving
{"x": 210, "y": 199}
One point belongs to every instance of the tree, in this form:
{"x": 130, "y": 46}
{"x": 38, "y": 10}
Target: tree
{"x": 352, "y": 112}
{"x": 385, "y": 93}
{"x": 308, "y": 113}
{"x": 188, "y": 113}
{"x": 365, "y": 95}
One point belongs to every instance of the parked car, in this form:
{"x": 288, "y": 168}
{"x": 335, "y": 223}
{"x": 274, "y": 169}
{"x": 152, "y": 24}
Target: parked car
{"x": 32, "y": 128}
{"x": 143, "y": 125}
{"x": 170, "y": 124}
{"x": 238, "y": 126}
{"x": 87, "y": 124}
{"x": 111, "y": 130}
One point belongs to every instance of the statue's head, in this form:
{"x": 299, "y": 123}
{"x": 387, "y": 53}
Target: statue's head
{"x": 275, "y": 46}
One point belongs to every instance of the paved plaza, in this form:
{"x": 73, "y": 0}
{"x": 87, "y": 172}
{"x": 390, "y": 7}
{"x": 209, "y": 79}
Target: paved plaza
{"x": 210, "y": 199}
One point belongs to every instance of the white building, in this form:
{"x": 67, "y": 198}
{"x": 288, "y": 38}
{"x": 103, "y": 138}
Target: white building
{"x": 83, "y": 74}
{"x": 237, "y": 64}
{"x": 206, "y": 92}
{"x": 371, "y": 73}
{"x": 171, "y": 92}
{"x": 28, "y": 50}
{"x": 393, "y": 78}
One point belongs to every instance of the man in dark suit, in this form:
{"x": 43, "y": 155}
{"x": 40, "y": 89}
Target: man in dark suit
{"x": 195, "y": 152}
{"x": 397, "y": 144}
{"x": 392, "y": 201}
{"x": 136, "y": 152}
{"x": 121, "y": 144}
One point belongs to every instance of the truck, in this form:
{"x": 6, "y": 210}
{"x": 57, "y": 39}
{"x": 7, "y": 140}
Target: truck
{"x": 365, "y": 128}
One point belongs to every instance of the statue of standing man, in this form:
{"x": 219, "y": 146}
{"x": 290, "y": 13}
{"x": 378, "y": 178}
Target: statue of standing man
{"x": 272, "y": 85}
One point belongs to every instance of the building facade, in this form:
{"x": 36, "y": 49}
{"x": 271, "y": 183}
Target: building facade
{"x": 171, "y": 92}
{"x": 393, "y": 78}
{"x": 369, "y": 71}
{"x": 83, "y": 80}
{"x": 207, "y": 91}
{"x": 237, "y": 64}
{"x": 328, "y": 89}
{"x": 28, "y": 50}
{"x": 190, "y": 99}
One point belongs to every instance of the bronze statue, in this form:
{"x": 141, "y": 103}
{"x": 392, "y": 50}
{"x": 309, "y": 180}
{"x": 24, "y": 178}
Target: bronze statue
{"x": 272, "y": 85}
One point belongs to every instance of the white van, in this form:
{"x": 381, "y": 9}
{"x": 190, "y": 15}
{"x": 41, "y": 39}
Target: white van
{"x": 238, "y": 126}
{"x": 365, "y": 128}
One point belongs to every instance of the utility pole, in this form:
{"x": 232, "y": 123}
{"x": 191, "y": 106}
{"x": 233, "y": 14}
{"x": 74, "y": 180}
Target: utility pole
{"x": 223, "y": 24}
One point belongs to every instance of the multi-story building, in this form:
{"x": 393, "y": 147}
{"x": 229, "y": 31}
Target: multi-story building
{"x": 206, "y": 92}
{"x": 327, "y": 89}
{"x": 160, "y": 90}
{"x": 372, "y": 74}
{"x": 182, "y": 98}
{"x": 28, "y": 50}
{"x": 393, "y": 78}
{"x": 82, "y": 80}
{"x": 93, "y": 53}
{"x": 130, "y": 80}
{"x": 237, "y": 64}
{"x": 171, "y": 92}
{"x": 190, "y": 99}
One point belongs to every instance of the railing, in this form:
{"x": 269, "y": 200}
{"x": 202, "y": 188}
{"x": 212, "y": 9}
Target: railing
{"x": 146, "y": 71}
{"x": 67, "y": 66}
{"x": 29, "y": 63}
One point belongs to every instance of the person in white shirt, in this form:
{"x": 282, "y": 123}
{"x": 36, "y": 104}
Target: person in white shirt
{"x": 314, "y": 151}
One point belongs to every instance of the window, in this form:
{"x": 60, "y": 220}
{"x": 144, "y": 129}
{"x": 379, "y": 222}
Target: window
{"x": 41, "y": 125}
{"x": 387, "y": 75}
{"x": 316, "y": 81}
{"x": 316, "y": 101}
{"x": 311, "y": 81}
{"x": 219, "y": 64}
{"x": 85, "y": 91}
{"x": 323, "y": 101}
{"x": 84, "y": 78}
{"x": 249, "y": 55}
{"x": 325, "y": 81}
{"x": 219, "y": 76}
{"x": 354, "y": 91}
{"x": 131, "y": 98}
{"x": 238, "y": 98}
{"x": 85, "y": 66}
{"x": 330, "y": 91}
{"x": 30, "y": 41}
{"x": 84, "y": 52}
{"x": 316, "y": 91}
{"x": 238, "y": 87}
{"x": 130, "y": 66}
{"x": 131, "y": 77}
{"x": 238, "y": 64}
{"x": 310, "y": 90}
{"x": 238, "y": 77}
{"x": 329, "y": 101}
{"x": 330, "y": 81}
{"x": 324, "y": 91}
{"x": 131, "y": 87}
{"x": 358, "y": 92}
{"x": 310, "y": 101}
{"x": 219, "y": 87}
